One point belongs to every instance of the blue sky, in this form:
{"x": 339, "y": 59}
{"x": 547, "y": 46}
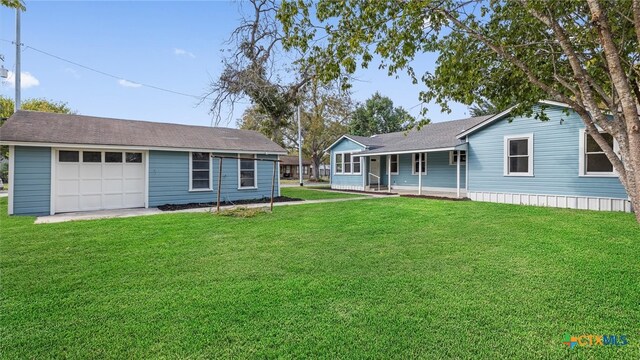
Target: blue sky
{"x": 173, "y": 45}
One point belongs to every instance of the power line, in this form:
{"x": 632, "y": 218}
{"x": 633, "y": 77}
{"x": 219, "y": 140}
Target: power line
{"x": 105, "y": 73}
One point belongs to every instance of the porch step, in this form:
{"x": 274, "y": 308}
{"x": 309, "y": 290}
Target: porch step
{"x": 375, "y": 188}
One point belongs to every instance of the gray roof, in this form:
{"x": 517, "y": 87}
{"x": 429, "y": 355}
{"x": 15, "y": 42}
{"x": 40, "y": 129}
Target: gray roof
{"x": 39, "y": 127}
{"x": 293, "y": 160}
{"x": 433, "y": 136}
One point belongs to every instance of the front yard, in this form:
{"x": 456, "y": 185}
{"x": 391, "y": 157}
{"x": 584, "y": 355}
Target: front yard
{"x": 378, "y": 278}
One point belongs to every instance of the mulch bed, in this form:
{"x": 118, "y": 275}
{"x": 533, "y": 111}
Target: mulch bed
{"x": 174, "y": 207}
{"x": 436, "y": 197}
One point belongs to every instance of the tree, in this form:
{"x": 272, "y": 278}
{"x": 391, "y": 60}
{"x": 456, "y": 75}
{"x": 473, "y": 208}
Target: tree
{"x": 483, "y": 108}
{"x": 325, "y": 110}
{"x": 580, "y": 52}
{"x": 378, "y": 116}
{"x": 35, "y": 104}
{"x": 15, "y": 4}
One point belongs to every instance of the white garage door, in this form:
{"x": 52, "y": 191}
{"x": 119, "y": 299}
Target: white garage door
{"x": 98, "y": 179}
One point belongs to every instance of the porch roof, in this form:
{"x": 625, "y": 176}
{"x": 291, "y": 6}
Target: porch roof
{"x": 433, "y": 137}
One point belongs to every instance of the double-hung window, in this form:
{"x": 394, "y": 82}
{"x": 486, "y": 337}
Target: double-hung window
{"x": 518, "y": 155}
{"x": 453, "y": 157}
{"x": 356, "y": 164}
{"x": 593, "y": 160}
{"x": 200, "y": 176}
{"x": 247, "y": 172}
{"x": 419, "y": 163}
{"x": 347, "y": 163}
{"x": 393, "y": 164}
{"x": 338, "y": 164}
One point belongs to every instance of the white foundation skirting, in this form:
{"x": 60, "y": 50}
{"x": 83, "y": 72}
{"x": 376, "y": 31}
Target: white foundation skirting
{"x": 347, "y": 187}
{"x": 559, "y": 201}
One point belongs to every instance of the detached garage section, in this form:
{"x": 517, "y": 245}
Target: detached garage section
{"x": 68, "y": 163}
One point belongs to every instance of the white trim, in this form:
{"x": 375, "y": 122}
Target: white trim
{"x": 52, "y": 199}
{"x": 277, "y": 173}
{"x": 345, "y": 137}
{"x": 466, "y": 167}
{"x": 451, "y": 156}
{"x": 558, "y": 201}
{"x": 582, "y": 169}
{"x": 146, "y": 179}
{"x": 397, "y": 172}
{"x": 139, "y": 148}
{"x": 191, "y": 189}
{"x": 351, "y": 154}
{"x": 458, "y": 173}
{"x": 255, "y": 175}
{"x": 12, "y": 184}
{"x": 505, "y": 158}
{"x": 413, "y": 163}
{"x": 410, "y": 151}
{"x": 347, "y": 187}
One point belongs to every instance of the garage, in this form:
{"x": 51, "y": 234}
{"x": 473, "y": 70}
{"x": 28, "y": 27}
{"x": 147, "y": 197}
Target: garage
{"x": 91, "y": 179}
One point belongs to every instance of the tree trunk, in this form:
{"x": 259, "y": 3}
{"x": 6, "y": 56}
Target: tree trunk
{"x": 315, "y": 163}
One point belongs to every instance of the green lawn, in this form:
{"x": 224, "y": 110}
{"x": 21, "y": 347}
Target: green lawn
{"x": 306, "y": 193}
{"x": 378, "y": 278}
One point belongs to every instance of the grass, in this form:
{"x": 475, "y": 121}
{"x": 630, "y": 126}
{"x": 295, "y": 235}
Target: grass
{"x": 379, "y": 278}
{"x": 306, "y": 193}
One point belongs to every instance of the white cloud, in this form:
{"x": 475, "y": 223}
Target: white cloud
{"x": 127, "y": 83}
{"x": 183, "y": 52}
{"x": 26, "y": 80}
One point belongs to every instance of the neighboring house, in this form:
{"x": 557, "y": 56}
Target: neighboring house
{"x": 64, "y": 163}
{"x": 499, "y": 158}
{"x": 289, "y": 167}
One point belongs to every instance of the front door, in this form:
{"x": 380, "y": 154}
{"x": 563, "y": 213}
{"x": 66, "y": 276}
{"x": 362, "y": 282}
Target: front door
{"x": 374, "y": 168}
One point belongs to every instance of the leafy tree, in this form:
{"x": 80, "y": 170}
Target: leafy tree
{"x": 15, "y": 4}
{"x": 483, "y": 108}
{"x": 35, "y": 104}
{"x": 378, "y": 116}
{"x": 580, "y": 52}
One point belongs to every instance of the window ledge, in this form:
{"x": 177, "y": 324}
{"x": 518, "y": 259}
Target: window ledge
{"x": 518, "y": 175}
{"x": 200, "y": 190}
{"x": 248, "y": 188}
{"x": 604, "y": 175}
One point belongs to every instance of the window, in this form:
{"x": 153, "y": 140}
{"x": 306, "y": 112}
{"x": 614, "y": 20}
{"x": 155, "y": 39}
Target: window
{"x": 417, "y": 160}
{"x": 91, "y": 156}
{"x": 68, "y": 156}
{"x": 593, "y": 160}
{"x": 348, "y": 164}
{"x": 453, "y": 157}
{"x": 113, "y": 157}
{"x": 247, "y": 173}
{"x": 306, "y": 170}
{"x": 356, "y": 164}
{"x": 518, "y": 155}
{"x": 393, "y": 161}
{"x": 133, "y": 157}
{"x": 200, "y": 171}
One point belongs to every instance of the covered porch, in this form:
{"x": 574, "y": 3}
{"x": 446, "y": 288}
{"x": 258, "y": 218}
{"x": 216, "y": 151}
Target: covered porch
{"x": 430, "y": 172}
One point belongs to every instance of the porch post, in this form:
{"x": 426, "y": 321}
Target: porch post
{"x": 458, "y": 174}
{"x": 419, "y": 173}
{"x": 388, "y": 173}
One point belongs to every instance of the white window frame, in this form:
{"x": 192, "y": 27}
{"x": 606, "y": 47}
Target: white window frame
{"x": 342, "y": 155}
{"x": 255, "y": 173}
{"x": 505, "y": 159}
{"x": 413, "y": 164}
{"x": 191, "y": 189}
{"x": 452, "y": 157}
{"x": 397, "y": 164}
{"x": 582, "y": 165}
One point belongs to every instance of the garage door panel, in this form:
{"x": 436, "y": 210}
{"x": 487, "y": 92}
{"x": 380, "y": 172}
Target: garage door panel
{"x": 81, "y": 186}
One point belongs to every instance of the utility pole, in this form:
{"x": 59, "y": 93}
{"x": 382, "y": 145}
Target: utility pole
{"x": 18, "y": 68}
{"x": 300, "y": 148}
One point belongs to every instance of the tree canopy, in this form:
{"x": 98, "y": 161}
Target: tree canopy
{"x": 378, "y": 116}
{"x": 580, "y": 52}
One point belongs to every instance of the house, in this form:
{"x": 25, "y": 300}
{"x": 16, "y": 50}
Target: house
{"x": 289, "y": 167}
{"x": 66, "y": 163}
{"x": 500, "y": 158}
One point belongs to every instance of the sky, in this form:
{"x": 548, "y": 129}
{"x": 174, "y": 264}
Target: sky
{"x": 172, "y": 45}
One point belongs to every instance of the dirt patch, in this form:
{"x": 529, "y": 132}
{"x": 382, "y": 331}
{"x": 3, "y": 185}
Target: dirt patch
{"x": 436, "y": 197}
{"x": 174, "y": 207}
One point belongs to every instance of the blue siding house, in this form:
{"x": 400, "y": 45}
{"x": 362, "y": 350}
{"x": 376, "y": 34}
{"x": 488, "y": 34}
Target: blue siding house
{"x": 68, "y": 163}
{"x": 499, "y": 158}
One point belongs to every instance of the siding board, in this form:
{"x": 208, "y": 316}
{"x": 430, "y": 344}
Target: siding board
{"x": 32, "y": 180}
